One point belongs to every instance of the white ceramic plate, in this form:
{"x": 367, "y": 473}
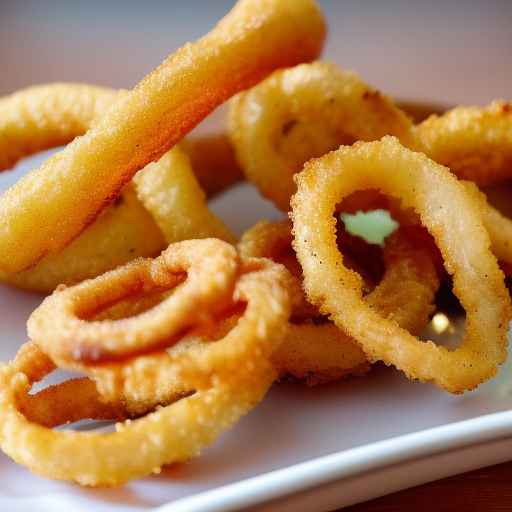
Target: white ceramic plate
{"x": 302, "y": 448}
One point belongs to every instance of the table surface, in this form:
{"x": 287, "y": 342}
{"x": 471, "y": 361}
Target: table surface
{"x": 488, "y": 490}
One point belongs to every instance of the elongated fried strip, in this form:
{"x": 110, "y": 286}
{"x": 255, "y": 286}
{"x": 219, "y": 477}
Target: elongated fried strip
{"x": 474, "y": 142}
{"x": 50, "y": 115}
{"x": 53, "y": 204}
{"x": 57, "y": 113}
{"x": 122, "y": 232}
{"x": 455, "y": 221}
{"x": 300, "y": 113}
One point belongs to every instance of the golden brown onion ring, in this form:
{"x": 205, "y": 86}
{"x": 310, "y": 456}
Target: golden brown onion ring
{"x": 213, "y": 161}
{"x": 474, "y": 142}
{"x": 320, "y": 352}
{"x": 303, "y": 112}
{"x": 61, "y": 327}
{"x": 439, "y": 199}
{"x": 47, "y": 116}
{"x": 170, "y": 192}
{"x": 53, "y": 204}
{"x": 208, "y": 353}
{"x": 173, "y": 433}
{"x": 498, "y": 226}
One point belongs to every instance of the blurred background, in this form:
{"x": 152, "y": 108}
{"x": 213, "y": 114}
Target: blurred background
{"x": 456, "y": 51}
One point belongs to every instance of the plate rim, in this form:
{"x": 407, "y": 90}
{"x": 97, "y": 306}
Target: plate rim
{"x": 344, "y": 464}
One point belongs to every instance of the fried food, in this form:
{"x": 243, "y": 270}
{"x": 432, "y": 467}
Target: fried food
{"x": 439, "y": 199}
{"x": 57, "y": 113}
{"x": 315, "y": 349}
{"x": 170, "y": 192}
{"x": 214, "y": 351}
{"x": 213, "y": 161}
{"x": 474, "y": 142}
{"x": 164, "y": 205}
{"x": 300, "y": 113}
{"x": 173, "y": 433}
{"x": 224, "y": 378}
{"x": 51, "y": 115}
{"x": 123, "y": 231}
{"x": 200, "y": 272}
{"x": 498, "y": 226}
{"x": 47, "y": 116}
{"x": 49, "y": 207}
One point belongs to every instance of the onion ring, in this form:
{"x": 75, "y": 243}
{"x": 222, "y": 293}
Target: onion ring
{"x": 213, "y": 161}
{"x": 173, "y": 433}
{"x": 49, "y": 207}
{"x": 498, "y": 226}
{"x": 58, "y": 325}
{"x": 303, "y": 112}
{"x": 263, "y": 291}
{"x": 47, "y": 116}
{"x": 170, "y": 192}
{"x": 475, "y": 143}
{"x": 320, "y": 352}
{"x": 463, "y": 241}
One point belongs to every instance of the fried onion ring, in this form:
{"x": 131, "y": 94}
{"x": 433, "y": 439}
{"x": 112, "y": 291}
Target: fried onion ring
{"x": 170, "y": 192}
{"x": 320, "y": 352}
{"x": 439, "y": 199}
{"x": 498, "y": 226}
{"x": 49, "y": 207}
{"x": 303, "y": 112}
{"x": 475, "y": 143}
{"x": 262, "y": 292}
{"x": 213, "y": 162}
{"x": 173, "y": 433}
{"x": 61, "y": 328}
{"x": 47, "y": 116}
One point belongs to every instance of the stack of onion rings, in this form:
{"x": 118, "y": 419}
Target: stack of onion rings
{"x": 226, "y": 376}
{"x": 317, "y": 350}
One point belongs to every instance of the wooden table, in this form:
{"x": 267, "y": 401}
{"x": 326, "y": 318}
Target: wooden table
{"x": 486, "y": 490}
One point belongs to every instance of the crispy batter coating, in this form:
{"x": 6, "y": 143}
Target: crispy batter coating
{"x": 315, "y": 349}
{"x": 452, "y": 217}
{"x": 173, "y": 433}
{"x": 200, "y": 272}
{"x": 474, "y": 142}
{"x": 52, "y": 205}
{"x": 301, "y": 113}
